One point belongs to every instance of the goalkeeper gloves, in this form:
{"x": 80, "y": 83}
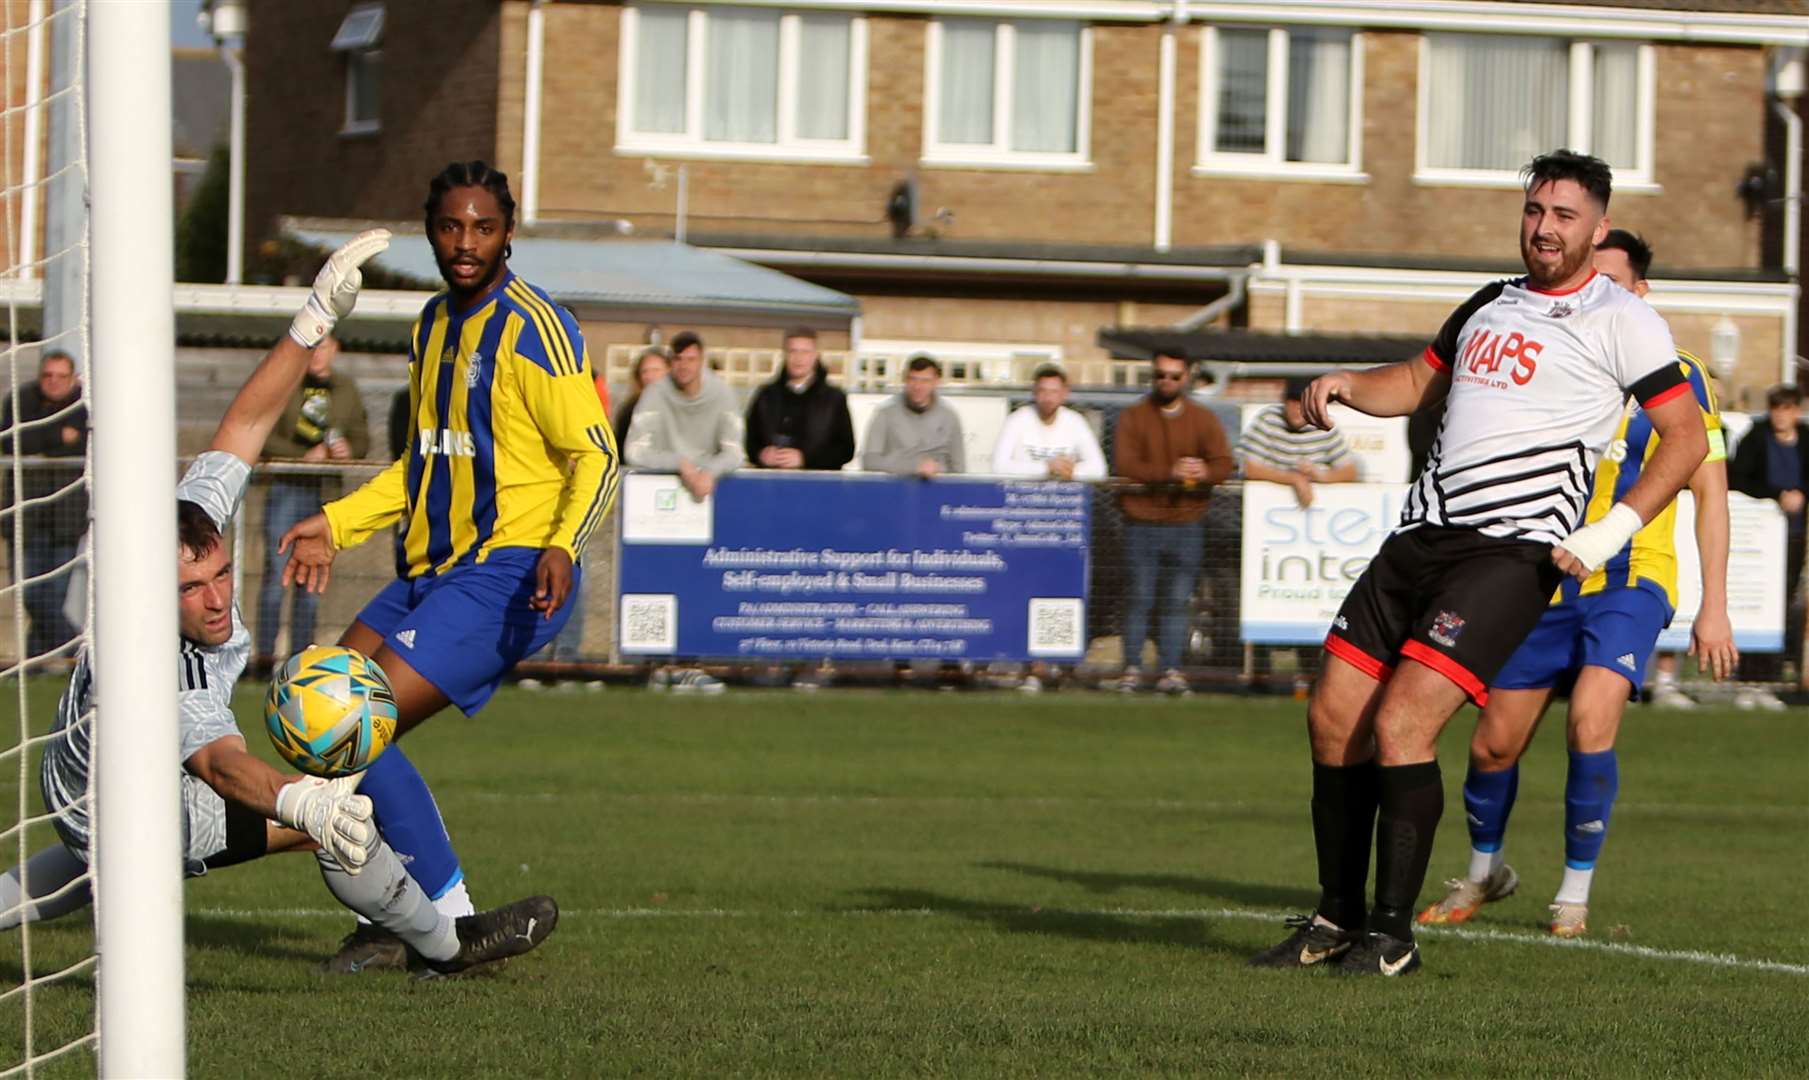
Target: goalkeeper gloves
{"x": 338, "y": 820}
{"x": 1595, "y": 544}
{"x": 336, "y": 288}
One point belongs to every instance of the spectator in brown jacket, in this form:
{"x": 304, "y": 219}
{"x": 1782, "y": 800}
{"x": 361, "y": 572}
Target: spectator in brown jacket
{"x": 324, "y": 422}
{"x": 1167, "y": 441}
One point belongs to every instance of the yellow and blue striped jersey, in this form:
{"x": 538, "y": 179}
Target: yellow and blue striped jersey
{"x": 508, "y": 446}
{"x": 1650, "y": 560}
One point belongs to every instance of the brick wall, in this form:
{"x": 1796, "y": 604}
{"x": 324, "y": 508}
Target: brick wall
{"x": 439, "y": 103}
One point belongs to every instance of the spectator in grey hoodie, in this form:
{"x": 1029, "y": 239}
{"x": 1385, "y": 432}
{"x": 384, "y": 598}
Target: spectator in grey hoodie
{"x": 917, "y": 434}
{"x": 689, "y": 424}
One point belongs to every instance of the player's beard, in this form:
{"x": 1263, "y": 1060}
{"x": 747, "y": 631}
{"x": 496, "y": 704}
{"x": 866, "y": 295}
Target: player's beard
{"x": 1545, "y": 275}
{"x": 492, "y": 272}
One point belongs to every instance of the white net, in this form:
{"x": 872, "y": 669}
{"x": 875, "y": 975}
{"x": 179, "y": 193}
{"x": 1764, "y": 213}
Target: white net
{"x": 47, "y": 1000}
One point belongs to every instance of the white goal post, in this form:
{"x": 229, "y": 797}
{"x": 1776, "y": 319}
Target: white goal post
{"x": 138, "y": 834}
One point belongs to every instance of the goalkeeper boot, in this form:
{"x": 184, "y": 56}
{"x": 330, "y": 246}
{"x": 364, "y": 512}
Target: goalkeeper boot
{"x": 493, "y": 936}
{"x": 1465, "y": 896}
{"x": 1379, "y": 954}
{"x": 368, "y": 947}
{"x": 1314, "y": 941}
{"x": 1569, "y": 920}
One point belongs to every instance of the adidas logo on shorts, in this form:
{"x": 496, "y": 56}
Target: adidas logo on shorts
{"x": 1625, "y": 660}
{"x": 406, "y": 638}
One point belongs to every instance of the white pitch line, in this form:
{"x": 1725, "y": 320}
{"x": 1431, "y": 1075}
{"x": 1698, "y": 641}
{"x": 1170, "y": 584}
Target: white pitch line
{"x": 1462, "y": 933}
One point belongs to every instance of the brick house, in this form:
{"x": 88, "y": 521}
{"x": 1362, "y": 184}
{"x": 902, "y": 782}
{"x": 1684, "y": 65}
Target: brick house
{"x": 1002, "y": 181}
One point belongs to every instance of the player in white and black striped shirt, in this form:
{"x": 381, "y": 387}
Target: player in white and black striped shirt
{"x": 1534, "y": 372}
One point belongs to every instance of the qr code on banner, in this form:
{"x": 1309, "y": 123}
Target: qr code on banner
{"x": 649, "y": 623}
{"x": 1055, "y": 626}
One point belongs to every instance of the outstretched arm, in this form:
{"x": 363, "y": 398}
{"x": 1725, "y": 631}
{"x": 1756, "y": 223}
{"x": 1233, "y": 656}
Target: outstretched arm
{"x": 1391, "y": 390}
{"x": 260, "y": 401}
{"x": 1712, "y": 632}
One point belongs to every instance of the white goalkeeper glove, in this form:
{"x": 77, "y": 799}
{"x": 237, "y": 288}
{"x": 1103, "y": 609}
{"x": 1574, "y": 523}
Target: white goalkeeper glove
{"x": 337, "y": 819}
{"x": 336, "y": 288}
{"x": 1592, "y": 545}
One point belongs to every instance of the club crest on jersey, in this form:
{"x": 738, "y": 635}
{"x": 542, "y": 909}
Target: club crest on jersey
{"x": 1445, "y": 628}
{"x": 474, "y": 370}
{"x": 1559, "y": 309}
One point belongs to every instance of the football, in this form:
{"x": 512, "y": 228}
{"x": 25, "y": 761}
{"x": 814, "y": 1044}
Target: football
{"x": 330, "y": 711}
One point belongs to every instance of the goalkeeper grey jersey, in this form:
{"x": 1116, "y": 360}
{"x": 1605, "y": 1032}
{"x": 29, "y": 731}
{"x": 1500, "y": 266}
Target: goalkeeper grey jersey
{"x": 205, "y": 675}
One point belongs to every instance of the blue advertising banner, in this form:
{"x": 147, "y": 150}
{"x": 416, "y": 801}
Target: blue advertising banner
{"x": 854, "y": 567}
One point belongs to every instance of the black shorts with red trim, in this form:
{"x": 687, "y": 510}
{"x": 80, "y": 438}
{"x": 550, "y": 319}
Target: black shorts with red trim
{"x": 1454, "y": 600}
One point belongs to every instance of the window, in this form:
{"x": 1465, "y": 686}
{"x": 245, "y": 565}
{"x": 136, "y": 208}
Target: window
{"x": 1007, "y": 93}
{"x": 1489, "y": 103}
{"x": 1280, "y": 101}
{"x": 360, "y": 38}
{"x": 742, "y": 82}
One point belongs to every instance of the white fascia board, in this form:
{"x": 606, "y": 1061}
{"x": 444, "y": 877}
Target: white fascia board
{"x": 1090, "y": 10}
{"x": 1490, "y": 16}
{"x": 786, "y": 259}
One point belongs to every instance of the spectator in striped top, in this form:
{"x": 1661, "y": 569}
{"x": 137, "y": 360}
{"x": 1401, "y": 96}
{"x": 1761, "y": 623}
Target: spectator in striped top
{"x": 1281, "y": 447}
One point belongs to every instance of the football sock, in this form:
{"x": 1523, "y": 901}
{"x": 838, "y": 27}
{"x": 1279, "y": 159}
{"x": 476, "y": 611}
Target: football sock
{"x": 1488, "y": 799}
{"x": 410, "y": 821}
{"x": 1589, "y": 791}
{"x": 1344, "y": 821}
{"x": 384, "y": 893}
{"x": 48, "y": 872}
{"x": 1412, "y": 799}
{"x": 455, "y": 901}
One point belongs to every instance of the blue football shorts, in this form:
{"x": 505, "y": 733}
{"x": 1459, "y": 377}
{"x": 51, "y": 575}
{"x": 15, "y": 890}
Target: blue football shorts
{"x": 464, "y": 629}
{"x": 1614, "y": 629}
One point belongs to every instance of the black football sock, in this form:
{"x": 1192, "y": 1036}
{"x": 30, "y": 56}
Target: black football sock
{"x": 1412, "y": 799}
{"x": 1344, "y": 818}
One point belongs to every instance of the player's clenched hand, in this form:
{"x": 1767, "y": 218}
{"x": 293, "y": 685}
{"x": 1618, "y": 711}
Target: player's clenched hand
{"x": 1595, "y": 543}
{"x": 1712, "y": 643}
{"x": 336, "y": 288}
{"x": 1316, "y": 402}
{"x": 552, "y": 580}
{"x": 330, "y": 812}
{"x": 309, "y": 545}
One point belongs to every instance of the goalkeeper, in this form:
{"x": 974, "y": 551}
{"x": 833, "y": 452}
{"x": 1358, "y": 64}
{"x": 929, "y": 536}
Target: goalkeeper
{"x": 236, "y": 807}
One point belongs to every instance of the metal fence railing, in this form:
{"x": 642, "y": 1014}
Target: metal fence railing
{"x": 1214, "y": 655}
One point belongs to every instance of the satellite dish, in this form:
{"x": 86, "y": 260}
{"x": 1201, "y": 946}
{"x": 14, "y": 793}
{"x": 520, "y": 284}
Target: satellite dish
{"x": 901, "y": 207}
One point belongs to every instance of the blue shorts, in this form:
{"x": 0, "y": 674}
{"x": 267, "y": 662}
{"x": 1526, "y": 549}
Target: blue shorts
{"x": 1616, "y": 629}
{"x": 464, "y": 629}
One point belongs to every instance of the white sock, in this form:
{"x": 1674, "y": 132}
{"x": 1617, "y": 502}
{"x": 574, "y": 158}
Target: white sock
{"x": 1484, "y": 863}
{"x": 1575, "y": 887}
{"x": 455, "y": 902}
{"x": 49, "y": 870}
{"x": 384, "y": 893}
{"x": 1664, "y": 677}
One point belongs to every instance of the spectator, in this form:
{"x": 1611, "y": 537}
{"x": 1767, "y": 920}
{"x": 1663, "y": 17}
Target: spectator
{"x": 51, "y": 422}
{"x": 1772, "y": 462}
{"x": 323, "y": 422}
{"x": 1046, "y": 438}
{"x": 1279, "y": 446}
{"x": 689, "y": 424}
{"x": 649, "y": 367}
{"x": 1165, "y": 440}
{"x": 799, "y": 421}
{"x": 916, "y": 434}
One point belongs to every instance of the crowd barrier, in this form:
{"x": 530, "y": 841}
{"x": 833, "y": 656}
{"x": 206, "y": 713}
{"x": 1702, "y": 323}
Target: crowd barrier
{"x": 777, "y": 571}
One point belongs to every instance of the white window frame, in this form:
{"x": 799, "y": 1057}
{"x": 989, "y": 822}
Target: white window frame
{"x": 363, "y": 46}
{"x": 788, "y": 146}
{"x": 1272, "y": 163}
{"x": 999, "y": 154}
{"x": 1640, "y": 179}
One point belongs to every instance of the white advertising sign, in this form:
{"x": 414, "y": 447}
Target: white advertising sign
{"x": 1299, "y": 564}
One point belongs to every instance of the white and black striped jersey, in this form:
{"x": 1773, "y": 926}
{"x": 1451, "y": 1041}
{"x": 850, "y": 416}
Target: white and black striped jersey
{"x": 1538, "y": 381}
{"x": 205, "y": 675}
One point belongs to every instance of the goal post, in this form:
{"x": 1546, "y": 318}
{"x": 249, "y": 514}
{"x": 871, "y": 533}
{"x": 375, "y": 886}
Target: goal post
{"x": 138, "y": 834}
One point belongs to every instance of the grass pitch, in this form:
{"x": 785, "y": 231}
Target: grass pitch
{"x": 879, "y": 884}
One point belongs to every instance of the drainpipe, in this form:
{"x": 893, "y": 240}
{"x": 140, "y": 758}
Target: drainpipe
{"x": 1165, "y": 128}
{"x": 1787, "y": 85}
{"x": 530, "y": 114}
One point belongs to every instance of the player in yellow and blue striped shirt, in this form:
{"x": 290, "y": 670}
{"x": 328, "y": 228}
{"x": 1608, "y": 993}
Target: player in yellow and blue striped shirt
{"x": 1595, "y": 640}
{"x": 510, "y": 468}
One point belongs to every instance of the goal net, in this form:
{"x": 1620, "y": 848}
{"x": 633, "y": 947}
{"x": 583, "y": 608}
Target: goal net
{"x": 83, "y": 146}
